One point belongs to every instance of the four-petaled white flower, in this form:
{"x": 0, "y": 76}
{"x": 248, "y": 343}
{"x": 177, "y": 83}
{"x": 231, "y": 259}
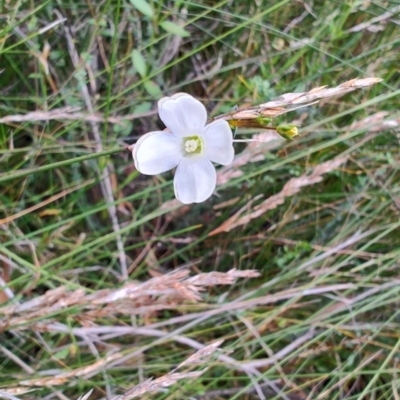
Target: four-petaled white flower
{"x": 190, "y": 144}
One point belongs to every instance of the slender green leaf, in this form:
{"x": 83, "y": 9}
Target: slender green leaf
{"x": 139, "y": 63}
{"x": 175, "y": 29}
{"x": 152, "y": 89}
{"x": 144, "y": 7}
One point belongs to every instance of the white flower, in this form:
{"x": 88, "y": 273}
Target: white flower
{"x": 189, "y": 144}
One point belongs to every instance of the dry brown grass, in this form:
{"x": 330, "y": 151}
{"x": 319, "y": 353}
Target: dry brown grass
{"x": 169, "y": 291}
{"x": 292, "y": 187}
{"x": 133, "y": 298}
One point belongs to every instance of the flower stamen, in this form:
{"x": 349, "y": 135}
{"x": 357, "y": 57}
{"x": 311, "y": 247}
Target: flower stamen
{"x": 193, "y": 145}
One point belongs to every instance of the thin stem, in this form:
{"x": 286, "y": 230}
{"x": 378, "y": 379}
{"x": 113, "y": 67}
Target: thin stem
{"x": 249, "y": 140}
{"x": 21, "y": 174}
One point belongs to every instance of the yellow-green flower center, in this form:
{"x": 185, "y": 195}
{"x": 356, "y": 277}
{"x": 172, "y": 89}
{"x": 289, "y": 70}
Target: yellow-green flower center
{"x": 193, "y": 145}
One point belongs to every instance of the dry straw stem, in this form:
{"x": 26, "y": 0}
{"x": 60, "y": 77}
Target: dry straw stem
{"x": 70, "y": 114}
{"x": 64, "y": 377}
{"x": 11, "y": 393}
{"x": 104, "y": 333}
{"x": 283, "y": 104}
{"x": 291, "y": 188}
{"x": 86, "y": 396}
{"x": 150, "y": 385}
{"x": 104, "y": 173}
{"x": 377, "y": 122}
{"x": 198, "y": 357}
{"x": 163, "y": 292}
{"x": 375, "y": 24}
{"x": 292, "y": 101}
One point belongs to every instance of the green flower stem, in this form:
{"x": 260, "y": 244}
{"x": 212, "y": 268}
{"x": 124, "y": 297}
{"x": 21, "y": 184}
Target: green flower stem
{"x": 21, "y": 174}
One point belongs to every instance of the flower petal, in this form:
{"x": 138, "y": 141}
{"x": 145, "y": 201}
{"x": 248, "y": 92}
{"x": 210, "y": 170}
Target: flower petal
{"x": 194, "y": 180}
{"x": 218, "y": 141}
{"x": 157, "y": 152}
{"x": 182, "y": 114}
